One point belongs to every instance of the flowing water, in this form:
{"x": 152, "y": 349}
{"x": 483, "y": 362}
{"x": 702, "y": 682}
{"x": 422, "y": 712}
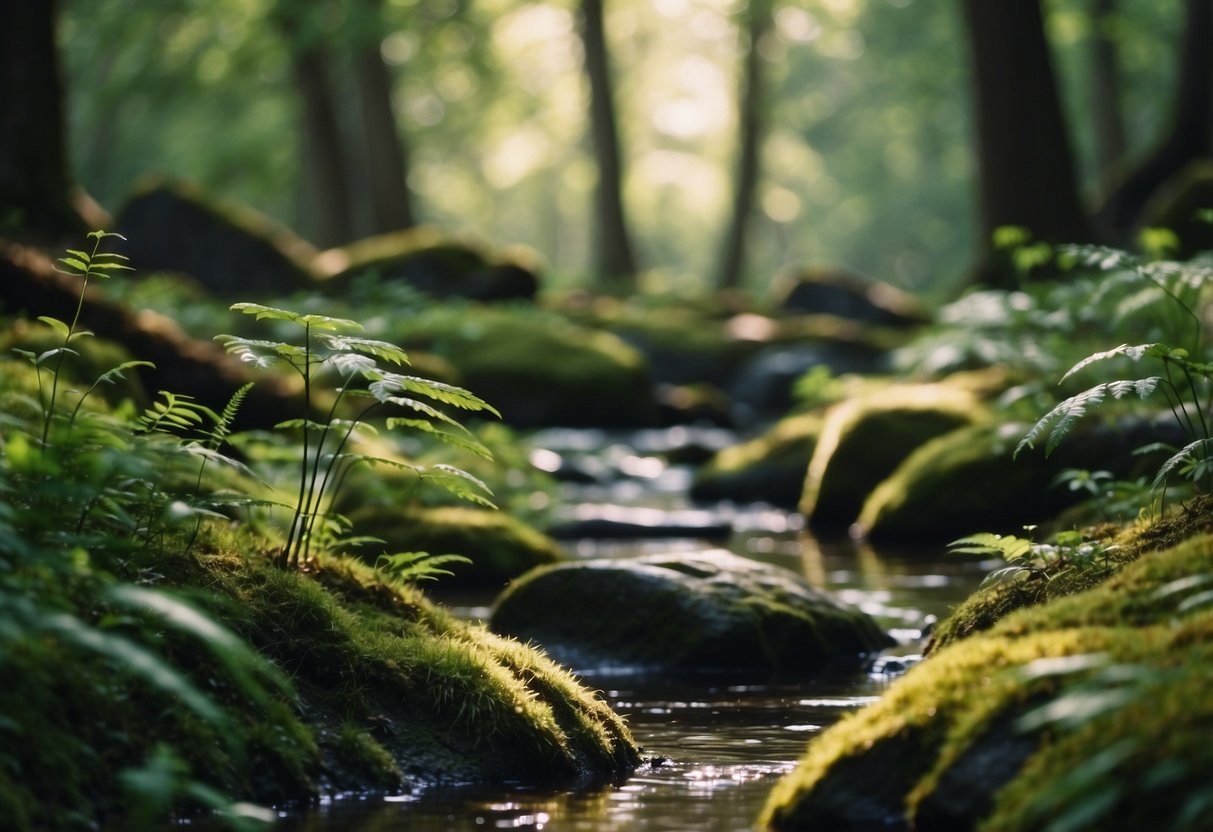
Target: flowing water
{"x": 714, "y": 748}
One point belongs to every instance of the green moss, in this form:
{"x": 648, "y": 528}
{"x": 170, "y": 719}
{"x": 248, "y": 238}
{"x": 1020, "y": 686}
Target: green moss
{"x": 769, "y": 467}
{"x": 944, "y": 748}
{"x": 864, "y": 439}
{"x": 500, "y": 546}
{"x": 988, "y": 606}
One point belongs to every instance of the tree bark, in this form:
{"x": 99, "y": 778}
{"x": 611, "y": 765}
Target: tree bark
{"x": 1188, "y": 137}
{"x": 35, "y": 185}
{"x": 1025, "y": 166}
{"x": 750, "y": 124}
{"x": 1106, "y": 89}
{"x": 386, "y": 155}
{"x": 614, "y": 260}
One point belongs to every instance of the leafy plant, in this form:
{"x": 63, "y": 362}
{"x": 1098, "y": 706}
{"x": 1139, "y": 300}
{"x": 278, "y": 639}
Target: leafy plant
{"x": 410, "y": 567}
{"x": 1185, "y": 381}
{"x": 329, "y": 346}
{"x": 1028, "y": 560}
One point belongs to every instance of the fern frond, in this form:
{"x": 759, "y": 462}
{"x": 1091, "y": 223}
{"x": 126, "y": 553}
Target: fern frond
{"x": 1134, "y": 352}
{"x": 383, "y": 350}
{"x": 1186, "y": 453}
{"x": 320, "y": 323}
{"x": 458, "y": 440}
{"x": 1008, "y": 547}
{"x": 388, "y": 384}
{"x": 1059, "y": 421}
{"x": 458, "y": 482}
{"x": 223, "y": 425}
{"x": 408, "y": 567}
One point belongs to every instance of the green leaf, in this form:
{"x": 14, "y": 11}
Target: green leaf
{"x": 459, "y": 483}
{"x": 79, "y": 266}
{"x": 1058, "y": 421}
{"x": 458, "y": 440}
{"x": 61, "y": 329}
{"x": 382, "y": 350}
{"x": 391, "y": 383}
{"x": 1133, "y": 352}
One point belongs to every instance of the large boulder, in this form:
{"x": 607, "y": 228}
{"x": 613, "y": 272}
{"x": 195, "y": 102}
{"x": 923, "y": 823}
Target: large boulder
{"x": 541, "y": 371}
{"x": 1086, "y": 713}
{"x": 969, "y": 481}
{"x": 434, "y": 263}
{"x": 864, "y": 440}
{"x": 845, "y": 294}
{"x": 230, "y": 249}
{"x": 768, "y": 468}
{"x": 707, "y": 612}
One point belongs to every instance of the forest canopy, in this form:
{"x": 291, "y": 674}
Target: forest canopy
{"x": 866, "y": 149}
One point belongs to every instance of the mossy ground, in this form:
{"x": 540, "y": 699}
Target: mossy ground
{"x": 390, "y": 693}
{"x": 1127, "y": 692}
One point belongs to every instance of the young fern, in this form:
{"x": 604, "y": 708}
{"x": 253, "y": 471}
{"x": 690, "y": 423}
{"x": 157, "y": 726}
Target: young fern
{"x": 331, "y": 346}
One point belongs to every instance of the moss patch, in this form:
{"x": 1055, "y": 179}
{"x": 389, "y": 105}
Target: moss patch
{"x": 770, "y": 467}
{"x": 863, "y": 440}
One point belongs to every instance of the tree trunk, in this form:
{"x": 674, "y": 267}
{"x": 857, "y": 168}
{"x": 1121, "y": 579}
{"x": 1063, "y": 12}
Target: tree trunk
{"x": 614, "y": 260}
{"x": 1189, "y": 136}
{"x": 35, "y": 186}
{"x": 750, "y": 124}
{"x": 1025, "y": 167}
{"x": 330, "y": 204}
{"x": 386, "y": 156}
{"x": 1107, "y": 113}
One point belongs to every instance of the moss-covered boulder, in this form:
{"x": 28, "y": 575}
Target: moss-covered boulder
{"x": 708, "y": 612}
{"x": 864, "y": 439}
{"x": 500, "y": 546}
{"x": 387, "y": 692}
{"x": 968, "y": 480}
{"x": 834, "y": 291}
{"x": 1088, "y": 711}
{"x": 542, "y": 371}
{"x": 768, "y": 468}
{"x": 437, "y": 264}
{"x": 230, "y": 249}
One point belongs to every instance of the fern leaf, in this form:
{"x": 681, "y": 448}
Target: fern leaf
{"x": 350, "y": 364}
{"x": 382, "y": 350}
{"x": 1008, "y": 547}
{"x": 426, "y": 409}
{"x": 459, "y": 483}
{"x": 1059, "y": 421}
{"x": 446, "y": 393}
{"x": 61, "y": 329}
{"x": 407, "y": 567}
{"x": 1184, "y": 454}
{"x": 223, "y": 425}
{"x": 458, "y": 440}
{"x": 1131, "y": 351}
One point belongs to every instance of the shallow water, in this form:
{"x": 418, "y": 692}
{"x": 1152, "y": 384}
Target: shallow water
{"x": 716, "y": 748}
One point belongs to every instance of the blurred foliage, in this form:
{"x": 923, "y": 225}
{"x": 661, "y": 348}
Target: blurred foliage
{"x": 866, "y": 163}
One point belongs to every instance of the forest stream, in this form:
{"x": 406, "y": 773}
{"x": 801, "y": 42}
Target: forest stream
{"x": 713, "y": 747}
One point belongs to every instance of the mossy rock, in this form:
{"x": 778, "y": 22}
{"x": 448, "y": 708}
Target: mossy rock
{"x": 437, "y": 264}
{"x": 708, "y": 612}
{"x": 230, "y": 249}
{"x": 864, "y": 439}
{"x": 390, "y": 693}
{"x": 946, "y": 746}
{"x": 500, "y": 546}
{"x": 1117, "y": 573}
{"x": 968, "y": 480}
{"x": 835, "y": 291}
{"x": 541, "y": 371}
{"x": 768, "y": 468}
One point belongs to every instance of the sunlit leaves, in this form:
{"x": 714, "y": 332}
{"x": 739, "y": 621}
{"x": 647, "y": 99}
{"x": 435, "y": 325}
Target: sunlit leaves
{"x": 1061, "y": 419}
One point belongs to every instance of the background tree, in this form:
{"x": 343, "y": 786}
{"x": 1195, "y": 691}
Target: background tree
{"x": 35, "y": 183}
{"x": 614, "y": 260}
{"x": 1026, "y": 172}
{"x": 1188, "y": 136}
{"x": 756, "y": 17}
{"x": 1107, "y": 111}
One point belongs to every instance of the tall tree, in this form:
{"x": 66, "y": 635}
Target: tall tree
{"x": 757, "y": 17}
{"x": 1025, "y": 166}
{"x": 614, "y": 260}
{"x": 35, "y": 183}
{"x": 1188, "y": 136}
{"x": 386, "y": 155}
{"x": 1106, "y": 89}
{"x": 329, "y": 205}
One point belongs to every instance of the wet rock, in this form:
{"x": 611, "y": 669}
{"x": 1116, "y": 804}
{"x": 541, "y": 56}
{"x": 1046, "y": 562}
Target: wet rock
{"x": 769, "y": 468}
{"x": 434, "y": 263}
{"x": 764, "y": 385}
{"x": 685, "y": 613}
{"x": 863, "y": 441}
{"x": 230, "y": 249}
{"x": 966, "y": 481}
{"x": 845, "y": 294}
